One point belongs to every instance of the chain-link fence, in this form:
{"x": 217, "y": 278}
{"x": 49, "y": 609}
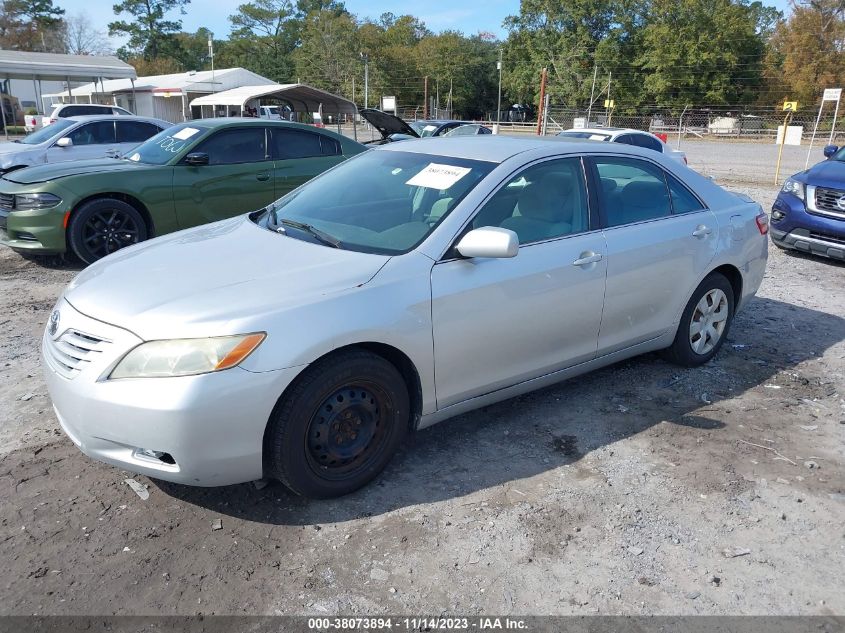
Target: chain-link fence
{"x": 727, "y": 123}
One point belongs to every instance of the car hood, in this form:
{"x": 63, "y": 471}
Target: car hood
{"x": 15, "y": 148}
{"x": 387, "y": 124}
{"x": 214, "y": 279}
{"x": 51, "y": 171}
{"x": 828, "y": 173}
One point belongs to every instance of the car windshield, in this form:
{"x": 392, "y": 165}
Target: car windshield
{"x": 379, "y": 202}
{"x": 840, "y": 155}
{"x": 424, "y": 128}
{"x": 592, "y": 136}
{"x": 48, "y": 132}
{"x": 162, "y": 147}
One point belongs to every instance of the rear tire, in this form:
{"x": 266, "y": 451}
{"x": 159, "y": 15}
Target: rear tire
{"x": 705, "y": 323}
{"x": 103, "y": 226}
{"x": 338, "y": 425}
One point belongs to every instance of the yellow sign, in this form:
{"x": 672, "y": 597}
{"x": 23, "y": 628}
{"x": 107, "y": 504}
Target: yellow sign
{"x": 790, "y": 106}
{"x": 608, "y": 103}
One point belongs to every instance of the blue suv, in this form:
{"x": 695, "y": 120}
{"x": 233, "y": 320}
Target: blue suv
{"x": 809, "y": 212}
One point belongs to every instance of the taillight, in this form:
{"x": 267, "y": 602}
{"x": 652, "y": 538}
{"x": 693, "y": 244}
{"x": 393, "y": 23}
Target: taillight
{"x": 762, "y": 221}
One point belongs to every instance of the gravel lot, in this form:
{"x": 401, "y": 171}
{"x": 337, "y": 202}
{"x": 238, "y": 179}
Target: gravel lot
{"x": 639, "y": 489}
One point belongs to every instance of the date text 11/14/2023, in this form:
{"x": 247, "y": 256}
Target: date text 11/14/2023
{"x": 477, "y": 623}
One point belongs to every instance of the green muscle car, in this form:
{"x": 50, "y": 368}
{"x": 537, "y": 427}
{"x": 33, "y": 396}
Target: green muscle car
{"x": 189, "y": 174}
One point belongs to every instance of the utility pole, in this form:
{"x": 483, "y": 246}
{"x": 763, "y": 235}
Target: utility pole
{"x": 542, "y": 101}
{"x": 592, "y": 92}
{"x": 425, "y": 98}
{"x": 211, "y": 57}
{"x": 499, "y": 106}
{"x": 609, "y": 109}
{"x": 366, "y": 59}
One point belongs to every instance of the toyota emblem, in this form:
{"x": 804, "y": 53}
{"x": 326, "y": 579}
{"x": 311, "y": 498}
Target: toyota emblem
{"x": 53, "y": 325}
{"x": 841, "y": 203}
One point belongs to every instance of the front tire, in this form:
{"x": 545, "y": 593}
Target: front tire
{"x": 103, "y": 226}
{"x": 705, "y": 323}
{"x": 338, "y": 425}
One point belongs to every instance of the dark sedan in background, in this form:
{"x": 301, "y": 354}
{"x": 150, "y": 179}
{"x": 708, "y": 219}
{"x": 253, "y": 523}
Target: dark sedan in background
{"x": 809, "y": 212}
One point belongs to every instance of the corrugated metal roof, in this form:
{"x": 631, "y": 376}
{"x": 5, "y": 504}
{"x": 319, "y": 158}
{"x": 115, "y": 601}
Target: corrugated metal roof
{"x": 199, "y": 81}
{"x": 57, "y": 67}
{"x": 302, "y": 94}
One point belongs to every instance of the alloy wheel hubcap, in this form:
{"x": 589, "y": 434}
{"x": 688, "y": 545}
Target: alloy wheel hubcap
{"x": 108, "y": 231}
{"x": 708, "y": 321}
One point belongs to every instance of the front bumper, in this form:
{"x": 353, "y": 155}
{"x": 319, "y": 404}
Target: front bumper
{"x": 807, "y": 232}
{"x": 41, "y": 231}
{"x": 211, "y": 427}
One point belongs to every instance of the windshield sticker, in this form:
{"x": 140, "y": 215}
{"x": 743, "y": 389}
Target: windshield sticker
{"x": 598, "y": 137}
{"x": 436, "y": 176}
{"x": 430, "y": 128}
{"x": 185, "y": 133}
{"x": 136, "y": 157}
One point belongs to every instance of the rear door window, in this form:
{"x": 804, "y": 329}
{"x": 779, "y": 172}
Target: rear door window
{"x": 290, "y": 144}
{"x": 683, "y": 201}
{"x": 135, "y": 131}
{"x": 631, "y": 190}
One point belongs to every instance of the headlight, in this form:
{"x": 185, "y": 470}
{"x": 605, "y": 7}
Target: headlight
{"x": 30, "y": 201}
{"x": 186, "y": 357}
{"x": 794, "y": 187}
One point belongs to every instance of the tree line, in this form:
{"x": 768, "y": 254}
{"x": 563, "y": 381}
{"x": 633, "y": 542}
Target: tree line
{"x": 642, "y": 53}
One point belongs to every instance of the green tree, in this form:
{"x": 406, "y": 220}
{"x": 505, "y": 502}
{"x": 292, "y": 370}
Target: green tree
{"x": 150, "y": 33}
{"x": 264, "y": 34}
{"x": 702, "y": 52}
{"x": 562, "y": 36}
{"x": 329, "y": 54}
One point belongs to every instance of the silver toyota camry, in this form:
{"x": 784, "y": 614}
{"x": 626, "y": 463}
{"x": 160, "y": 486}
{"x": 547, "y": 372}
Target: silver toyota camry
{"x": 412, "y": 283}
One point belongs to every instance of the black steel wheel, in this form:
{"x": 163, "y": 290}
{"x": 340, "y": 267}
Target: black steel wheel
{"x": 104, "y": 226}
{"x": 338, "y": 425}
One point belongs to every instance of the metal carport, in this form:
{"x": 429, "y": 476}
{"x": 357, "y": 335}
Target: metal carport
{"x": 57, "y": 67}
{"x": 301, "y": 97}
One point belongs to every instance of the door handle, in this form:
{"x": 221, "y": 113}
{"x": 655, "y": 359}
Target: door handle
{"x": 702, "y": 231}
{"x": 264, "y": 175}
{"x": 587, "y": 258}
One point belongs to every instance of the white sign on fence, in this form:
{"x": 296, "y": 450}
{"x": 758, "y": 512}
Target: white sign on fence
{"x": 388, "y": 104}
{"x": 832, "y": 94}
{"x": 579, "y": 123}
{"x": 793, "y": 135}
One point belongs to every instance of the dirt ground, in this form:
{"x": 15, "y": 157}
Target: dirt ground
{"x": 639, "y": 489}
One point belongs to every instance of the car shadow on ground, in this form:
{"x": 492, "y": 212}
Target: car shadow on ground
{"x": 500, "y": 445}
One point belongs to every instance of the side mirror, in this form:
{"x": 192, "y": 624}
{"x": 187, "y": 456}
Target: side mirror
{"x": 489, "y": 241}
{"x": 64, "y": 142}
{"x": 196, "y": 158}
{"x": 830, "y": 150}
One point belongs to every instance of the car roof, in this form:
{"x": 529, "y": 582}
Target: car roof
{"x": 610, "y": 131}
{"x": 114, "y": 117}
{"x": 493, "y": 148}
{"x": 245, "y": 120}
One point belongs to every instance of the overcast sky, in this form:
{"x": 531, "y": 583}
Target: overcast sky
{"x": 469, "y": 16}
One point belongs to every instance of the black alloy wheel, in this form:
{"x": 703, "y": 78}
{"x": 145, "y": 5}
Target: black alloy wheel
{"x": 102, "y": 227}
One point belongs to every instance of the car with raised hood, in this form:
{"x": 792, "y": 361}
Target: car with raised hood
{"x": 808, "y": 214}
{"x": 626, "y": 136}
{"x": 189, "y": 174}
{"x": 79, "y": 138}
{"x": 407, "y": 285}
{"x": 392, "y": 128}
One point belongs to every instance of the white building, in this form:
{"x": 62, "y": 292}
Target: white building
{"x": 163, "y": 96}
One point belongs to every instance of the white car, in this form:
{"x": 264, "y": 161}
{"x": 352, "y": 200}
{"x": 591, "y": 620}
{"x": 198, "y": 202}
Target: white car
{"x": 407, "y": 285}
{"x": 626, "y": 136}
{"x": 67, "y": 110}
{"x": 79, "y": 138}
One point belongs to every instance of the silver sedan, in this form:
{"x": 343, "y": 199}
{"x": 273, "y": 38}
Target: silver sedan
{"x": 407, "y": 285}
{"x": 79, "y": 138}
